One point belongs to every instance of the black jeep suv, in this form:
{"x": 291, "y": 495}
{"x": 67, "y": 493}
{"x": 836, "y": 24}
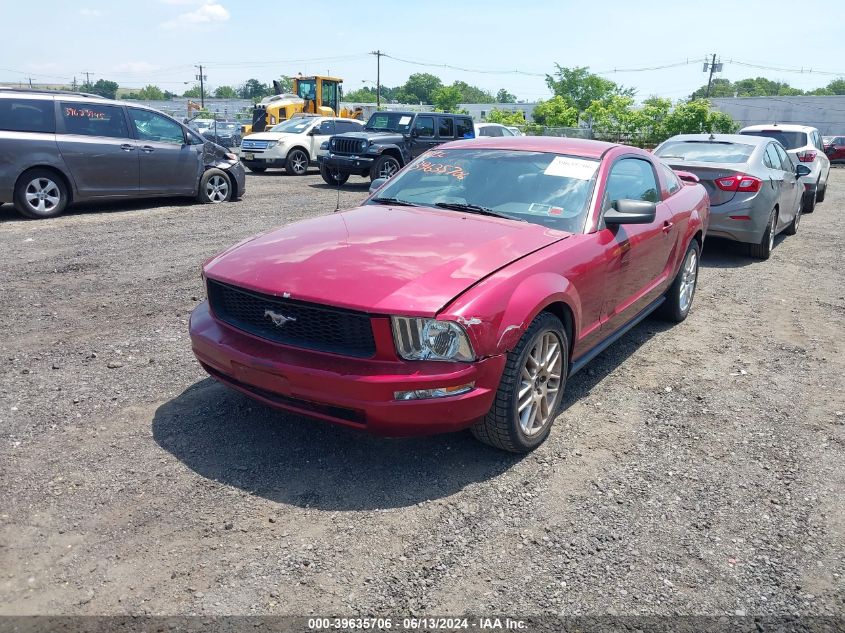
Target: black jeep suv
{"x": 388, "y": 142}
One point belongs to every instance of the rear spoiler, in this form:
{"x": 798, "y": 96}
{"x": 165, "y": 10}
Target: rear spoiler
{"x": 687, "y": 177}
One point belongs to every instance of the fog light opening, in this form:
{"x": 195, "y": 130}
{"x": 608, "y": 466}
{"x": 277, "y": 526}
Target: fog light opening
{"x": 438, "y": 392}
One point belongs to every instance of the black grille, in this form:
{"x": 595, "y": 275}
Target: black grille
{"x": 346, "y": 145}
{"x": 310, "y": 326}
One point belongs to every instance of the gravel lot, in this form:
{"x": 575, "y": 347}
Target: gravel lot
{"x": 697, "y": 469}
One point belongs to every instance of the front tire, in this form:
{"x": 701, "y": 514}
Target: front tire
{"x": 530, "y": 390}
{"x": 385, "y": 167}
{"x": 679, "y": 297}
{"x": 297, "y": 163}
{"x": 40, "y": 193}
{"x": 215, "y": 186}
{"x": 763, "y": 250}
{"x": 334, "y": 178}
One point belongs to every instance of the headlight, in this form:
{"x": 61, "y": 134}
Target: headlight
{"x": 272, "y": 144}
{"x": 364, "y": 146}
{"x": 324, "y": 145}
{"x": 430, "y": 339}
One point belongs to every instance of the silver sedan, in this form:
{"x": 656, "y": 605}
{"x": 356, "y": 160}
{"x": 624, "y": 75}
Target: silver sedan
{"x": 753, "y": 185}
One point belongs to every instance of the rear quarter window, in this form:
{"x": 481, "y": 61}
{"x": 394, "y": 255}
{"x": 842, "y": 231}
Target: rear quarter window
{"x": 27, "y": 115}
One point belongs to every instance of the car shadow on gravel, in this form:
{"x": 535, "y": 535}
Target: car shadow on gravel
{"x": 362, "y": 185}
{"x": 8, "y": 213}
{"x": 224, "y": 436}
{"x": 724, "y": 253}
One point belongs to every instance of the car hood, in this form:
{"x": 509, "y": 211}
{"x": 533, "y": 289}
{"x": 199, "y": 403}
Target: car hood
{"x": 268, "y": 136}
{"x": 375, "y": 137}
{"x": 380, "y": 259}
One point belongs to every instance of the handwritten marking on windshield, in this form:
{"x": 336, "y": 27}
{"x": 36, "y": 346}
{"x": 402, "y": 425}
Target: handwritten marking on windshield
{"x": 440, "y": 169}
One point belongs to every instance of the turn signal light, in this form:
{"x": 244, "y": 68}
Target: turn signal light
{"x": 806, "y": 157}
{"x": 739, "y": 182}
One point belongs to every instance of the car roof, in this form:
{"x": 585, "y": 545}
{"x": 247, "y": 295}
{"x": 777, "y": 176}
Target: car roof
{"x": 722, "y": 138}
{"x": 77, "y": 97}
{"x": 786, "y": 127}
{"x": 575, "y": 146}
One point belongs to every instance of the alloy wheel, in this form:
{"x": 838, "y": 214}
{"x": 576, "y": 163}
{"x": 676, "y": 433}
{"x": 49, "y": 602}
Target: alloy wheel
{"x": 299, "y": 163}
{"x": 689, "y": 276}
{"x": 388, "y": 169}
{"x": 217, "y": 188}
{"x": 540, "y": 383}
{"x": 42, "y": 195}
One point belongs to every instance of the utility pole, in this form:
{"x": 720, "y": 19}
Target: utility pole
{"x": 74, "y": 82}
{"x": 713, "y": 68}
{"x": 30, "y": 81}
{"x": 202, "y": 79}
{"x": 87, "y": 77}
{"x": 378, "y": 55}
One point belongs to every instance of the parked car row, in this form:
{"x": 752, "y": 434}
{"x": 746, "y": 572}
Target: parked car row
{"x": 62, "y": 147}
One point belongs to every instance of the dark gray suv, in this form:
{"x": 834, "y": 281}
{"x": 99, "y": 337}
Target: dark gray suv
{"x": 62, "y": 147}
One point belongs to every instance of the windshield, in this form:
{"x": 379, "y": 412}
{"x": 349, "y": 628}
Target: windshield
{"x": 390, "y": 122}
{"x": 705, "y": 151}
{"x": 790, "y": 140}
{"x": 292, "y": 126}
{"x": 307, "y": 89}
{"x": 539, "y": 187}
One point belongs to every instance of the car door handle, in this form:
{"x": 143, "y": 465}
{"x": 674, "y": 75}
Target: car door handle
{"x": 667, "y": 226}
{"x": 147, "y": 149}
{"x": 126, "y": 147}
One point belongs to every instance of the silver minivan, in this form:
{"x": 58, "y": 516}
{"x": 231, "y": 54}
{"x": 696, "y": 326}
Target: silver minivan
{"x": 61, "y": 147}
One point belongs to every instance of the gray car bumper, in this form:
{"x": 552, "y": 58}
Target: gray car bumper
{"x": 730, "y": 223}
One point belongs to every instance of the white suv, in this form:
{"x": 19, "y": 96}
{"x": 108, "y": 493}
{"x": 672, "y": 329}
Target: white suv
{"x": 292, "y": 144}
{"x": 804, "y": 146}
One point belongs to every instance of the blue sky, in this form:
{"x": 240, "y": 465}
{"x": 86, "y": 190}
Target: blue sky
{"x": 159, "y": 41}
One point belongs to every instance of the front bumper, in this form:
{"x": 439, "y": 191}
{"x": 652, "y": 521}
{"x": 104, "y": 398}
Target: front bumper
{"x": 358, "y": 393}
{"x": 238, "y": 172}
{"x": 348, "y": 164}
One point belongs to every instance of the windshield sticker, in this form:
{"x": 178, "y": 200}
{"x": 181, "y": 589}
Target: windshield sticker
{"x": 404, "y": 120}
{"x": 544, "y": 209}
{"x": 439, "y": 169}
{"x": 565, "y": 167}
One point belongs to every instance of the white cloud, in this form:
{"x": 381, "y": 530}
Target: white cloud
{"x": 205, "y": 15}
{"x": 90, "y": 13}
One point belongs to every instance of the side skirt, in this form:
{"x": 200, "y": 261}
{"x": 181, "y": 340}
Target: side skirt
{"x": 582, "y": 362}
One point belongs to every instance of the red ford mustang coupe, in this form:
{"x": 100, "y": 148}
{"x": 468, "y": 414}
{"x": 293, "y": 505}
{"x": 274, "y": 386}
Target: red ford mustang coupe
{"x": 462, "y": 293}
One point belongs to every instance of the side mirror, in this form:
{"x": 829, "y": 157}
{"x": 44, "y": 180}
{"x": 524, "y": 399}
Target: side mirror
{"x": 630, "y": 212}
{"x": 378, "y": 182}
{"x": 314, "y": 131}
{"x": 802, "y": 170}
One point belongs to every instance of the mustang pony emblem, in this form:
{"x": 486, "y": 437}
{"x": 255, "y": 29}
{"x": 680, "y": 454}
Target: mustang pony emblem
{"x": 278, "y": 319}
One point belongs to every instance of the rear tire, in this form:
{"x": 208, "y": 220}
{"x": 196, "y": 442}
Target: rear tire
{"x": 809, "y": 201}
{"x": 531, "y": 389}
{"x": 333, "y": 177}
{"x": 215, "y": 186}
{"x": 763, "y": 250}
{"x": 297, "y": 163}
{"x": 679, "y": 297}
{"x": 40, "y": 193}
{"x": 820, "y": 193}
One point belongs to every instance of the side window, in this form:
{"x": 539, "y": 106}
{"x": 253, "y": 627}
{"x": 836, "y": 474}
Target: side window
{"x": 329, "y": 94}
{"x": 464, "y": 128}
{"x": 671, "y": 179}
{"x": 27, "y": 115}
{"x": 154, "y": 127}
{"x": 507, "y": 132}
{"x": 446, "y": 127}
{"x": 348, "y": 126}
{"x": 631, "y": 179}
{"x": 94, "y": 119}
{"x": 329, "y": 127}
{"x": 785, "y": 160}
{"x": 771, "y": 158}
{"x": 424, "y": 126}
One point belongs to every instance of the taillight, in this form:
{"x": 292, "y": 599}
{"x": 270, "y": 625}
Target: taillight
{"x": 739, "y": 182}
{"x": 806, "y": 157}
